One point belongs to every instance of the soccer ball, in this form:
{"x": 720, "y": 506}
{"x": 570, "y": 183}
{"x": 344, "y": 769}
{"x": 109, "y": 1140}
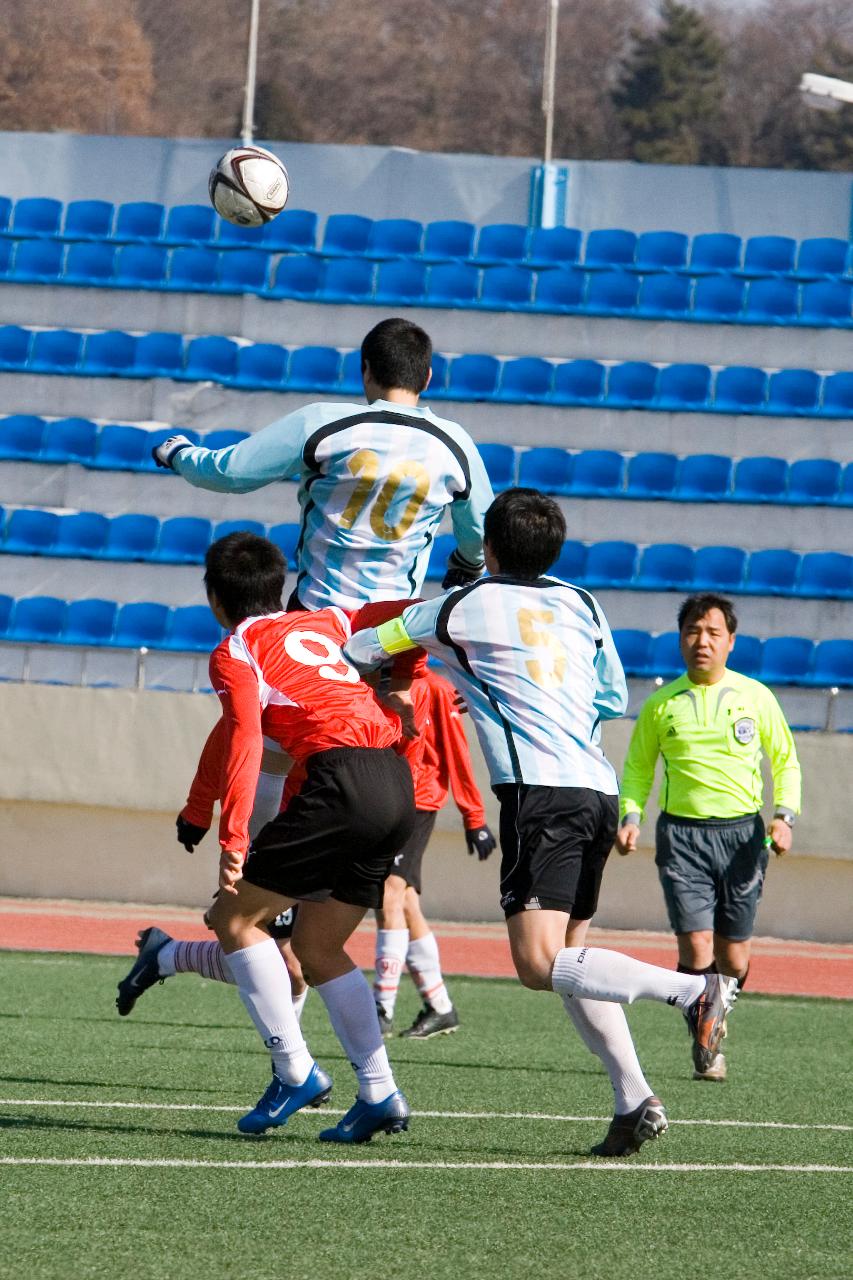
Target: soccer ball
{"x": 248, "y": 186}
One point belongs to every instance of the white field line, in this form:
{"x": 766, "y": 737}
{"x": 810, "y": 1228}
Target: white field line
{"x": 423, "y": 1115}
{"x": 482, "y": 1165}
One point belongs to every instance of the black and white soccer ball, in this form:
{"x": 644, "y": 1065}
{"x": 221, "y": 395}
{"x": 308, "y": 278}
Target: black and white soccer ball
{"x": 248, "y": 186}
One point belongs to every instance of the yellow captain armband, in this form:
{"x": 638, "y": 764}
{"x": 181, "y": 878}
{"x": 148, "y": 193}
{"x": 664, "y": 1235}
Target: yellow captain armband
{"x": 394, "y": 637}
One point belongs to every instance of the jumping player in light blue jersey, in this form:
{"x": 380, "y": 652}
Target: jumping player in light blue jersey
{"x": 537, "y": 665}
{"x": 374, "y": 479}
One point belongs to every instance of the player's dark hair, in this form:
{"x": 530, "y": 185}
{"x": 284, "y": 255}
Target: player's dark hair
{"x": 247, "y": 574}
{"x": 525, "y": 530}
{"x": 695, "y": 607}
{"x": 399, "y": 354}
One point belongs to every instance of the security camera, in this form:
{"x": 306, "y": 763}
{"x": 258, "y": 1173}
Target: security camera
{"x": 824, "y": 92}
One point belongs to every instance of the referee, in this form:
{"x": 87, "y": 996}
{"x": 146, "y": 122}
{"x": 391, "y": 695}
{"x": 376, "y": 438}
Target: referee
{"x": 711, "y": 726}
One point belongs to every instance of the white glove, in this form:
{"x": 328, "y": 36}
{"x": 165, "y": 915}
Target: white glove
{"x": 165, "y": 452}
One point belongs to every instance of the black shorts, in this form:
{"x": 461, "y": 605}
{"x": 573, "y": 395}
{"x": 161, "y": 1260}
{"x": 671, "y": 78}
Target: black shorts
{"x": 554, "y": 844}
{"x": 407, "y": 862}
{"x": 282, "y": 927}
{"x": 712, "y": 873}
{"x": 338, "y": 836}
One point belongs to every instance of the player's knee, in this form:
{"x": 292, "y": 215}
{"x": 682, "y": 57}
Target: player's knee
{"x": 534, "y": 972}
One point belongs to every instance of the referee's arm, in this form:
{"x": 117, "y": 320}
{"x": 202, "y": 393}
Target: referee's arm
{"x": 638, "y": 777}
{"x": 778, "y": 743}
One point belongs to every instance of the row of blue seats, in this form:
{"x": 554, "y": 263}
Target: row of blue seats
{"x": 192, "y": 628}
{"x": 569, "y": 290}
{"x": 526, "y": 380}
{"x": 588, "y": 473}
{"x": 600, "y": 565}
{"x": 348, "y": 235}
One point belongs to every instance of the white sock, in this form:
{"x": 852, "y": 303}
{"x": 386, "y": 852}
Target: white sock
{"x": 608, "y": 975}
{"x": 299, "y": 1003}
{"x": 204, "y": 958}
{"x": 424, "y": 965}
{"x": 264, "y": 985}
{"x": 391, "y": 946}
{"x": 352, "y": 1013}
{"x": 603, "y": 1028}
{"x": 267, "y": 803}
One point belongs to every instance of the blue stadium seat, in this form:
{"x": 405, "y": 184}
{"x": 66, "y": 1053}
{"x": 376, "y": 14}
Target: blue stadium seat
{"x": 212, "y": 358}
{"x": 122, "y": 448}
{"x": 718, "y": 298}
{"x": 526, "y": 380}
{"x": 351, "y": 381}
{"x": 612, "y": 293}
{"x": 190, "y": 224}
{"x": 822, "y": 256}
{"x": 661, "y": 251}
{"x": 814, "y": 481}
{"x": 7, "y": 605}
{"x": 793, "y": 391}
{"x": 88, "y": 220}
{"x": 5, "y": 213}
{"x": 292, "y": 231}
{"x": 55, "y": 351}
{"x": 286, "y": 537}
{"x": 769, "y": 255}
{"x": 845, "y": 495}
{"x": 827, "y": 302}
{"x": 611, "y": 247}
{"x": 547, "y": 468}
{"x": 441, "y": 549}
{"x": 159, "y": 355}
{"x": 666, "y": 566}
{"x": 664, "y": 295}
{"x": 224, "y": 527}
{"x": 837, "y": 395}
{"x": 89, "y": 264}
{"x": 500, "y": 464}
{"x": 632, "y": 383}
{"x": 243, "y": 271}
{"x": 740, "y": 389}
{"x": 139, "y": 221}
{"x": 263, "y": 364}
{"x": 345, "y": 234}
{"x": 69, "y": 440}
{"x": 597, "y": 473}
{"x": 718, "y": 568}
{"x": 611, "y": 564}
{"x": 89, "y": 622}
{"x": 223, "y": 438}
{"x": 132, "y": 537}
{"x": 634, "y": 649}
{"x": 38, "y": 619}
{"x": 772, "y": 572}
{"x": 112, "y": 353}
{"x": 684, "y": 386}
{"x": 761, "y": 480}
{"x": 235, "y": 235}
{"x": 21, "y": 437}
{"x": 192, "y": 629}
{"x": 37, "y": 261}
{"x": 36, "y": 216}
{"x": 347, "y": 280}
{"x": 714, "y": 252}
{"x": 772, "y": 302}
{"x": 141, "y": 266}
{"x": 785, "y": 659}
{"x": 553, "y": 247}
{"x": 665, "y": 660}
{"x": 745, "y": 657}
{"x": 81, "y": 534}
{"x": 579, "y": 382}
{"x": 314, "y": 369}
{"x": 570, "y": 564}
{"x": 183, "y": 540}
{"x": 193, "y": 269}
{"x": 297, "y": 277}
{"x": 394, "y": 238}
{"x": 401, "y": 282}
{"x": 473, "y": 377}
{"x": 453, "y": 284}
{"x": 500, "y": 242}
{"x": 704, "y": 477}
{"x": 30, "y": 531}
{"x": 506, "y": 288}
{"x": 438, "y": 381}
{"x": 832, "y": 664}
{"x": 141, "y": 624}
{"x": 559, "y": 289}
{"x": 827, "y": 575}
{"x": 14, "y": 346}
{"x": 652, "y": 475}
{"x": 447, "y": 240}
{"x": 6, "y": 250}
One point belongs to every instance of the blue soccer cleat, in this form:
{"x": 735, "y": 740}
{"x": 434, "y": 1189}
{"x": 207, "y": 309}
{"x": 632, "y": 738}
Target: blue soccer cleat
{"x": 144, "y": 971}
{"x": 366, "y": 1118}
{"x": 281, "y": 1100}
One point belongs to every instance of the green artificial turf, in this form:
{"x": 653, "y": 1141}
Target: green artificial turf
{"x": 674, "y": 1210}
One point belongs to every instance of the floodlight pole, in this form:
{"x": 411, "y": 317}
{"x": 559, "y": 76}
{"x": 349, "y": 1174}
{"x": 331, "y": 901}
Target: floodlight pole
{"x": 549, "y": 77}
{"x": 248, "y": 128}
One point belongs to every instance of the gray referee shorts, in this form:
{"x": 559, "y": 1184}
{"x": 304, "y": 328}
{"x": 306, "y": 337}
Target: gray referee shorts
{"x": 712, "y": 873}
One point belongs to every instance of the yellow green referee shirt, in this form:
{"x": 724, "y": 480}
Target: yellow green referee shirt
{"x": 711, "y": 738}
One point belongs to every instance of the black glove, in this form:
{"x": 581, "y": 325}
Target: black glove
{"x": 164, "y": 453}
{"x": 460, "y": 571}
{"x": 480, "y": 841}
{"x": 189, "y": 834}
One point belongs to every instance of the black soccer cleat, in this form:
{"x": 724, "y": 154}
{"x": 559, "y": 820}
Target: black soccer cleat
{"x": 144, "y": 972}
{"x": 628, "y": 1133}
{"x": 431, "y": 1023}
{"x": 706, "y": 1018}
